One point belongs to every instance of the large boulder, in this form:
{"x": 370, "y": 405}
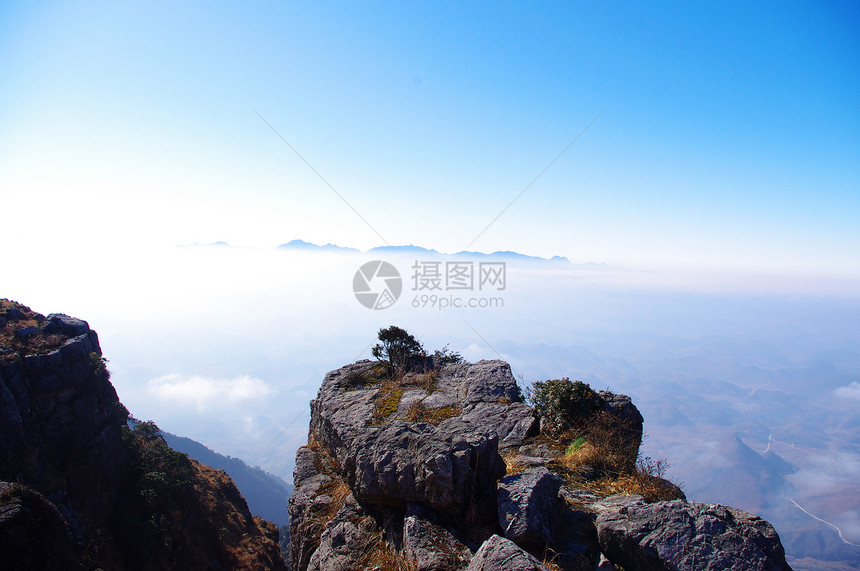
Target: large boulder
{"x": 348, "y": 538}
{"x": 501, "y": 554}
{"x": 451, "y": 465}
{"x": 429, "y": 544}
{"x": 527, "y": 504}
{"x": 678, "y": 535}
{"x": 450, "y": 468}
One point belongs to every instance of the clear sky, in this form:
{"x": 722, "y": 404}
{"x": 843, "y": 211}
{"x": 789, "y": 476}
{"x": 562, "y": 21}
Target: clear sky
{"x": 727, "y": 136}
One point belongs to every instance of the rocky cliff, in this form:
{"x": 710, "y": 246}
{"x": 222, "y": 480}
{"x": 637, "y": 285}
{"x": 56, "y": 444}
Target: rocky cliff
{"x": 449, "y": 469}
{"x": 81, "y": 489}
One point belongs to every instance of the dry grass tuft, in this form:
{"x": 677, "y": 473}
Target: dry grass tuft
{"x": 32, "y": 344}
{"x": 549, "y": 557}
{"x": 512, "y": 465}
{"x": 376, "y": 553}
{"x": 418, "y": 413}
{"x": 427, "y": 381}
{"x": 337, "y": 490}
{"x": 603, "y": 460}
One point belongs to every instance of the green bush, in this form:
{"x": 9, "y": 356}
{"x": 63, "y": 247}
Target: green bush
{"x": 564, "y": 405}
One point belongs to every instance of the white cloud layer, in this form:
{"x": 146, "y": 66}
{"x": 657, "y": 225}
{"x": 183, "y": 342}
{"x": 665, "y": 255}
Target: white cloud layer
{"x": 852, "y": 391}
{"x": 206, "y": 393}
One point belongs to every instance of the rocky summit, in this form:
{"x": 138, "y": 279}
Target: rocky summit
{"x": 84, "y": 486}
{"x": 448, "y": 468}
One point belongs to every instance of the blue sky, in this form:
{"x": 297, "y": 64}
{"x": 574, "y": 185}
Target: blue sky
{"x": 728, "y": 136}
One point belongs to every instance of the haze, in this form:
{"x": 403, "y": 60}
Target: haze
{"x": 710, "y": 155}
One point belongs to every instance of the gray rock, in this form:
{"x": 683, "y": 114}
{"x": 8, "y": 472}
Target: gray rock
{"x": 62, "y": 431}
{"x": 527, "y": 503}
{"x": 347, "y": 537}
{"x": 615, "y": 503}
{"x": 28, "y": 331}
{"x": 304, "y": 506}
{"x": 622, "y": 407}
{"x": 574, "y": 539}
{"x": 62, "y": 323}
{"x": 484, "y": 381}
{"x": 14, "y": 314}
{"x": 429, "y": 545}
{"x": 500, "y": 554}
{"x": 512, "y": 423}
{"x": 680, "y": 535}
{"x": 452, "y": 468}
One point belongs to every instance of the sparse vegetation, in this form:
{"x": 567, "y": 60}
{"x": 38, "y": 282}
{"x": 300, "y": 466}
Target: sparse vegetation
{"x": 596, "y": 450}
{"x": 400, "y": 350}
{"x": 15, "y": 317}
{"x": 376, "y": 553}
{"x": 564, "y": 405}
{"x": 386, "y": 401}
{"x": 358, "y": 378}
{"x": 159, "y": 480}
{"x": 418, "y": 413}
{"x": 512, "y": 463}
{"x": 446, "y": 356}
{"x": 98, "y": 365}
{"x": 574, "y": 446}
{"x": 402, "y": 362}
{"x": 335, "y": 489}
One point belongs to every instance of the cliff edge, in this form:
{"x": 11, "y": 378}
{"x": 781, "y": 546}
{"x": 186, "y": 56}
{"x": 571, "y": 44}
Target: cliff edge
{"x": 81, "y": 488}
{"x": 447, "y": 468}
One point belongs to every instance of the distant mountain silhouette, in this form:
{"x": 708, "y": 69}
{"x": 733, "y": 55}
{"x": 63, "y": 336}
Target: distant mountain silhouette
{"x": 408, "y": 249}
{"x": 308, "y": 246}
{"x": 503, "y": 255}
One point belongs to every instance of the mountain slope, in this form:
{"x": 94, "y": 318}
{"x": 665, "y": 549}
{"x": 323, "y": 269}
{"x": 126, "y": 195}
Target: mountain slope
{"x": 266, "y": 494}
{"x": 90, "y": 491}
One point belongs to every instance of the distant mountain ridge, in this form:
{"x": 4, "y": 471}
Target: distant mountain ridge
{"x": 266, "y": 494}
{"x": 506, "y": 255}
{"x": 413, "y": 249}
{"x": 299, "y": 245}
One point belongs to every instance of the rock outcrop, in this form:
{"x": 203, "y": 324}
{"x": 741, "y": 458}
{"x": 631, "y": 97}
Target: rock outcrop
{"x": 681, "y": 535}
{"x": 446, "y": 469}
{"x": 79, "y": 488}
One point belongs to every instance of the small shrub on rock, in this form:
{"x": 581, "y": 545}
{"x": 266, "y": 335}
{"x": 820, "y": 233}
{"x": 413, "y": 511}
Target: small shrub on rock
{"x": 398, "y": 348}
{"x": 564, "y": 405}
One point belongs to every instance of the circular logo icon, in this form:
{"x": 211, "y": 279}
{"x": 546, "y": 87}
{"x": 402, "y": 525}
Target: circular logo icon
{"x": 377, "y": 285}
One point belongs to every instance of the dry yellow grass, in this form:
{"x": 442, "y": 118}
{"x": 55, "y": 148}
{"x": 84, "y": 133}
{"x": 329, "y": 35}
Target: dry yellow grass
{"x": 377, "y": 554}
{"x": 512, "y": 465}
{"x": 418, "y": 413}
